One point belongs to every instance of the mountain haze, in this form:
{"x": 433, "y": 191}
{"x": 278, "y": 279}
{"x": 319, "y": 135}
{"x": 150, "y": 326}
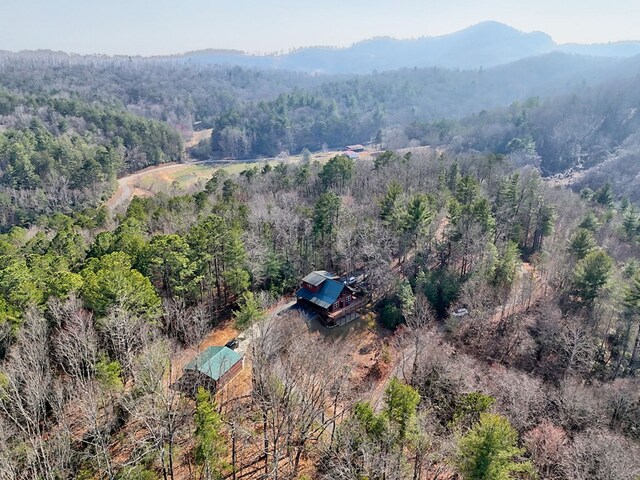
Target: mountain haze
{"x": 484, "y": 45}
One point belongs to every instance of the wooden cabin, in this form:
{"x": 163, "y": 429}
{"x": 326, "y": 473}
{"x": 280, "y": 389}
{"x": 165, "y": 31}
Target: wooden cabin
{"x": 212, "y": 369}
{"x": 336, "y": 302}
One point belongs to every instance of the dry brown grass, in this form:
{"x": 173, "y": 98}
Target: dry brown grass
{"x": 197, "y": 137}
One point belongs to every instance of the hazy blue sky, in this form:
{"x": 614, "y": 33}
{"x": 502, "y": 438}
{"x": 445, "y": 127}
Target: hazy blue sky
{"x": 172, "y": 26}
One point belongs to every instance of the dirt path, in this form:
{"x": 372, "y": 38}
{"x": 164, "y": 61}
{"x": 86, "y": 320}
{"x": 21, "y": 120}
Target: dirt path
{"x": 133, "y": 185}
{"x": 127, "y": 185}
{"x": 227, "y": 331}
{"x": 527, "y": 290}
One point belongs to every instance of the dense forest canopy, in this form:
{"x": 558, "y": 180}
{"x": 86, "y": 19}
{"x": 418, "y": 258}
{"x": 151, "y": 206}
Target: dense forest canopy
{"x": 548, "y": 353}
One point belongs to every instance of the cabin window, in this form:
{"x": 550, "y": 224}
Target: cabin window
{"x": 336, "y": 305}
{"x": 348, "y": 299}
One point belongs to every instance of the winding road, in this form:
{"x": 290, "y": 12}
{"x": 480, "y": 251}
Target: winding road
{"x": 127, "y": 185}
{"x": 127, "y": 188}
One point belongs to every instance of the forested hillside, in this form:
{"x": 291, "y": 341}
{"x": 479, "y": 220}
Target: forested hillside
{"x": 174, "y": 93}
{"x": 338, "y": 111}
{"x": 257, "y": 113}
{"x": 594, "y": 127}
{"x": 59, "y": 154}
{"x": 98, "y": 315}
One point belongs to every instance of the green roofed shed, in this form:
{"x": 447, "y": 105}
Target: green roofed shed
{"x": 215, "y": 362}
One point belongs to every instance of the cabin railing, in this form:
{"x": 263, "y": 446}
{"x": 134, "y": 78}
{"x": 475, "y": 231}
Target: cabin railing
{"x": 352, "y": 307}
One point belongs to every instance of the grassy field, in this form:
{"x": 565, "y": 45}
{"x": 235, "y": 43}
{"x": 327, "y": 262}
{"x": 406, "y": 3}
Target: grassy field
{"x": 175, "y": 179}
{"x": 187, "y": 176}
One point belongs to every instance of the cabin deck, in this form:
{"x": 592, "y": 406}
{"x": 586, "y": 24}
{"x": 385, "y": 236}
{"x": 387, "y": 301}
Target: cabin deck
{"x": 345, "y": 314}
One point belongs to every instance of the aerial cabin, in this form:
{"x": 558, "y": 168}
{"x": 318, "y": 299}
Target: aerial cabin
{"x": 356, "y": 148}
{"x": 212, "y": 369}
{"x": 336, "y": 302}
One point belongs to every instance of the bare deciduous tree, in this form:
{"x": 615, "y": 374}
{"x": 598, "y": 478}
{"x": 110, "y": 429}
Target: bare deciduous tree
{"x": 160, "y": 408}
{"x": 124, "y": 336}
{"x": 187, "y": 324}
{"x": 520, "y": 397}
{"x": 602, "y": 455}
{"x": 578, "y": 406}
{"x": 547, "y": 444}
{"x": 74, "y": 340}
{"x": 297, "y": 386}
{"x": 29, "y": 401}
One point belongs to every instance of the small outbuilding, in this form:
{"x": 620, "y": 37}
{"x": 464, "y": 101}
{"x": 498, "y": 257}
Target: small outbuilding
{"x": 351, "y": 155}
{"x": 356, "y": 148}
{"x": 212, "y": 369}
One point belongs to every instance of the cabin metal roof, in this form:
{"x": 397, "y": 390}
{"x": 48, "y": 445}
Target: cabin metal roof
{"x": 317, "y": 277}
{"x": 326, "y": 296}
{"x": 214, "y": 362}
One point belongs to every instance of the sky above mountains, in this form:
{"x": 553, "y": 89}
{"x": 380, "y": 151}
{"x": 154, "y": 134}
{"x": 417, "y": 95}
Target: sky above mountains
{"x": 153, "y": 27}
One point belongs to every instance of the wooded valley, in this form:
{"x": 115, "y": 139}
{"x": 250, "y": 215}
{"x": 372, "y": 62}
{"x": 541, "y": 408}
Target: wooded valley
{"x": 492, "y": 219}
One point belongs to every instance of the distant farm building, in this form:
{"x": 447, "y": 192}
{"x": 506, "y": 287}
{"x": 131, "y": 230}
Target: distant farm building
{"x": 336, "y": 302}
{"x": 212, "y": 369}
{"x": 351, "y": 155}
{"x": 356, "y": 148}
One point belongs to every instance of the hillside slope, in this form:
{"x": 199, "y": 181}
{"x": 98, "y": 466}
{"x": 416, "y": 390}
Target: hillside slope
{"x": 594, "y": 131}
{"x": 58, "y": 154}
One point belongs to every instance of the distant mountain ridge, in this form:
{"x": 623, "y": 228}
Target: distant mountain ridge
{"x": 486, "y": 45}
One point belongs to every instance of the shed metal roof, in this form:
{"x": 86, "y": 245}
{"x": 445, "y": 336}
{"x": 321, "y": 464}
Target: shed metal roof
{"x": 327, "y": 296}
{"x": 350, "y": 154}
{"x": 214, "y": 361}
